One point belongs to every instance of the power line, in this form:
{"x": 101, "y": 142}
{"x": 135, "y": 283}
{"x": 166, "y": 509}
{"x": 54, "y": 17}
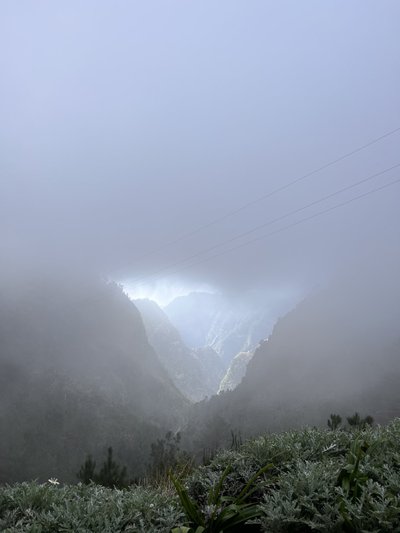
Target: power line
{"x": 270, "y": 222}
{"x": 268, "y": 195}
{"x": 284, "y": 228}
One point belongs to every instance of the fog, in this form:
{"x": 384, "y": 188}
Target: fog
{"x": 247, "y": 152}
{"x": 126, "y": 126}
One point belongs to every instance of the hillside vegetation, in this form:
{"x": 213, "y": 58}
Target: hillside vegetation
{"x": 312, "y": 480}
{"x": 77, "y": 374}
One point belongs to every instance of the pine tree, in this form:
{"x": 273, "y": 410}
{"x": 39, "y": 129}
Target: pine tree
{"x": 87, "y": 473}
{"x": 111, "y": 474}
{"x": 358, "y": 422}
{"x": 166, "y": 454}
{"x": 334, "y": 421}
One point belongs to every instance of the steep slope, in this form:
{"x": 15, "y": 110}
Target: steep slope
{"x": 338, "y": 351}
{"x": 77, "y": 375}
{"x": 193, "y": 316}
{"x": 236, "y": 371}
{"x": 196, "y": 373}
{"x": 228, "y": 326}
{"x": 335, "y": 353}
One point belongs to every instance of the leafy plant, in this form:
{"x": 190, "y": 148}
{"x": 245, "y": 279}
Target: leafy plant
{"x": 222, "y": 513}
{"x": 327, "y": 481}
{"x": 350, "y": 478}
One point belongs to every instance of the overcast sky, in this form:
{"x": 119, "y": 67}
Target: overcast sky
{"x": 125, "y": 125}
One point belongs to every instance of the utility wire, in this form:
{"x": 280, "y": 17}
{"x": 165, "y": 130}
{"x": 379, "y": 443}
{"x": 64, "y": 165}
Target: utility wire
{"x": 284, "y": 228}
{"x": 267, "y": 195}
{"x": 265, "y": 224}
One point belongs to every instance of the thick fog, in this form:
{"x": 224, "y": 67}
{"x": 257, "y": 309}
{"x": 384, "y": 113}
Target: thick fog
{"x": 237, "y": 162}
{"x": 129, "y": 128}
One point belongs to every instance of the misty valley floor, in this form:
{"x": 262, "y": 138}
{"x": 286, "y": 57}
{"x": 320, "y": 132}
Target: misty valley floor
{"x": 317, "y": 480}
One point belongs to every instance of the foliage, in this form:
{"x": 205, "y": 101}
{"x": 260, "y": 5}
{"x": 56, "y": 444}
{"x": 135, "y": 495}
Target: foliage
{"x": 358, "y": 422}
{"x": 166, "y": 455}
{"x": 86, "y": 508}
{"x": 321, "y": 480}
{"x": 334, "y": 422}
{"x": 111, "y": 474}
{"x": 236, "y": 440}
{"x": 87, "y": 472}
{"x": 352, "y": 484}
{"x": 350, "y": 478}
{"x": 222, "y": 513}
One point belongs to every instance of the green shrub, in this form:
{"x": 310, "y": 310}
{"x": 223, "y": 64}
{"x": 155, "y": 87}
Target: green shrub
{"x": 222, "y": 513}
{"x": 30, "y": 507}
{"x": 321, "y": 481}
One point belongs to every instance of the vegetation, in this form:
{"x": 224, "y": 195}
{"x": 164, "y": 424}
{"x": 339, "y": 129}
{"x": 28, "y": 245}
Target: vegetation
{"x": 32, "y": 507}
{"x": 87, "y": 472}
{"x": 111, "y": 475}
{"x": 227, "y": 514}
{"x": 316, "y": 480}
{"x": 334, "y": 421}
{"x": 357, "y": 421}
{"x": 166, "y": 455}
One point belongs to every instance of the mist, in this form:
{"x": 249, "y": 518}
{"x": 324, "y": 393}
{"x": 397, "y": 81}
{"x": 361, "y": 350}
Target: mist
{"x": 199, "y": 229}
{"x": 126, "y": 127}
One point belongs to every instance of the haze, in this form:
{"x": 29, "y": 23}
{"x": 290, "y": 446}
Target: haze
{"x": 199, "y": 226}
{"x": 126, "y": 125}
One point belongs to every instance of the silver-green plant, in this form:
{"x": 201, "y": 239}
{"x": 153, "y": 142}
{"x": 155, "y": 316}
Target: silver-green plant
{"x": 222, "y": 513}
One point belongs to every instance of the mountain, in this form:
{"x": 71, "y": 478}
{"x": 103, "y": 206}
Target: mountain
{"x": 228, "y": 326}
{"x": 236, "y": 371}
{"x": 77, "y": 374}
{"x": 196, "y": 373}
{"x": 338, "y": 351}
{"x": 193, "y": 316}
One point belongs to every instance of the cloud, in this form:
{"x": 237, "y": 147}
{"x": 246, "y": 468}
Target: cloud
{"x": 124, "y": 127}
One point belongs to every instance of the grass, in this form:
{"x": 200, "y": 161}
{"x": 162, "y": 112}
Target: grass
{"x": 327, "y": 481}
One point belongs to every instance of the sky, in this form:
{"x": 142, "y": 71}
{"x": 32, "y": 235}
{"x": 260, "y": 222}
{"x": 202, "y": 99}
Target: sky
{"x": 134, "y": 134}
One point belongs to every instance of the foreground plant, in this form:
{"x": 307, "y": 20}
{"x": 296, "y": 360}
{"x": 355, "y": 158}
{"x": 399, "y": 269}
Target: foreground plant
{"x": 225, "y": 514}
{"x": 350, "y": 478}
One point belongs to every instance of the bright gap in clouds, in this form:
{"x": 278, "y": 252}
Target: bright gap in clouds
{"x": 163, "y": 292}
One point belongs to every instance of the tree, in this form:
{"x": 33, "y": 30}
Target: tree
{"x": 111, "y": 474}
{"x": 166, "y": 454}
{"x": 86, "y": 472}
{"x": 334, "y": 421}
{"x": 369, "y": 420}
{"x": 358, "y": 422}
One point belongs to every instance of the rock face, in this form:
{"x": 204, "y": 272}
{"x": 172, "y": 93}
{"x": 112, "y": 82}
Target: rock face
{"x": 338, "y": 351}
{"x": 77, "y": 375}
{"x": 236, "y": 371}
{"x": 196, "y": 373}
{"x": 228, "y": 327}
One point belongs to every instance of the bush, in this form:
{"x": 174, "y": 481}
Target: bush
{"x": 321, "y": 480}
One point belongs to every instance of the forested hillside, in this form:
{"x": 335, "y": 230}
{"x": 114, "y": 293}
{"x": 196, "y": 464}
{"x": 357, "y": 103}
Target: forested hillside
{"x": 77, "y": 375}
{"x": 337, "y": 351}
